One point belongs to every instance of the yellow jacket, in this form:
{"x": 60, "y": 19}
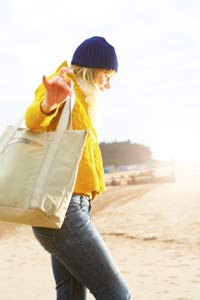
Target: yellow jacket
{"x": 90, "y": 178}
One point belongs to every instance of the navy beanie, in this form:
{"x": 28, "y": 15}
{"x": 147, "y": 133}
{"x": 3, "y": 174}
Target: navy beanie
{"x": 95, "y": 52}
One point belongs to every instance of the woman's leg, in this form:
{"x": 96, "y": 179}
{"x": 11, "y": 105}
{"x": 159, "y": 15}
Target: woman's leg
{"x": 67, "y": 287}
{"x": 80, "y": 248}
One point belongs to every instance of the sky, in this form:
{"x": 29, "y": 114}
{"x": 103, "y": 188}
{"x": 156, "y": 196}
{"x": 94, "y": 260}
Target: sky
{"x": 155, "y": 96}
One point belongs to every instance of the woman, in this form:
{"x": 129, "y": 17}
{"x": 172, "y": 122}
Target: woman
{"x": 80, "y": 258}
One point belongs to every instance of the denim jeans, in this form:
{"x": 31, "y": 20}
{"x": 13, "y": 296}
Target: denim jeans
{"x": 80, "y": 258}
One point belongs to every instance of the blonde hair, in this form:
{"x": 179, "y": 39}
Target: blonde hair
{"x": 87, "y": 77}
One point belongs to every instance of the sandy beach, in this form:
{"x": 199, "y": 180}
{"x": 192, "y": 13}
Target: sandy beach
{"x": 152, "y": 230}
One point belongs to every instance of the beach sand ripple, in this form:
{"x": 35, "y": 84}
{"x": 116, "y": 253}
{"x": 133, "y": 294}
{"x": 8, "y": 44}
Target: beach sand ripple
{"x": 153, "y": 232}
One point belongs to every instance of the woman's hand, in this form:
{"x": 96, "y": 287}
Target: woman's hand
{"x": 57, "y": 89}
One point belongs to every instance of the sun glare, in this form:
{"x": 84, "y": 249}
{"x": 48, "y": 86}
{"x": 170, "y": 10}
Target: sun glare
{"x": 180, "y": 144}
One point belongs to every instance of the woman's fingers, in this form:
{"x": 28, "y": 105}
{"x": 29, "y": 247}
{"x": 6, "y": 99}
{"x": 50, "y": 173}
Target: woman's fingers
{"x": 45, "y": 81}
{"x": 64, "y": 71}
{"x": 57, "y": 82}
{"x": 60, "y": 80}
{"x": 57, "y": 89}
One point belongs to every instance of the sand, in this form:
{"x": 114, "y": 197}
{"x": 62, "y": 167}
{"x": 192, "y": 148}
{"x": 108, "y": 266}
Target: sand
{"x": 152, "y": 230}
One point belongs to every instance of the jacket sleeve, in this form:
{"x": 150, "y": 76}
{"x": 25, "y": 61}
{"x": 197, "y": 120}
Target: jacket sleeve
{"x": 35, "y": 119}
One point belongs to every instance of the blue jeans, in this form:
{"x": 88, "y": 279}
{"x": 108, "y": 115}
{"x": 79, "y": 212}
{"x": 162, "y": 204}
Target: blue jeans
{"x": 80, "y": 258}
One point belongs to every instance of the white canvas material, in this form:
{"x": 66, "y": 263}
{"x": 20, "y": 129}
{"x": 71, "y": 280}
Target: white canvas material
{"x": 38, "y": 172}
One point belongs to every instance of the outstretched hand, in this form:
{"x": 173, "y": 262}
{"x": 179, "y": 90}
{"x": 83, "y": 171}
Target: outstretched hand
{"x": 57, "y": 90}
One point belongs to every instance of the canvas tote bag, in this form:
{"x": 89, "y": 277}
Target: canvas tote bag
{"x": 38, "y": 172}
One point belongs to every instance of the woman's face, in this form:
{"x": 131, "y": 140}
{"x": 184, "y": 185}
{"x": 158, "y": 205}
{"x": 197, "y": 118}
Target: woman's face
{"x": 102, "y": 78}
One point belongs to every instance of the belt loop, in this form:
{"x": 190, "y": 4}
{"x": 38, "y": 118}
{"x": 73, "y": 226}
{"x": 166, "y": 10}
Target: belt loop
{"x": 90, "y": 205}
{"x": 81, "y": 201}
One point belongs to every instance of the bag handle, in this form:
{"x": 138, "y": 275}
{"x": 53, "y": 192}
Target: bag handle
{"x": 65, "y": 117}
{"x": 63, "y": 123}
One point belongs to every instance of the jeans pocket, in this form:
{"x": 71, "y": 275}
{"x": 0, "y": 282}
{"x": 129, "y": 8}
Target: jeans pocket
{"x": 46, "y": 241}
{"x": 73, "y": 208}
